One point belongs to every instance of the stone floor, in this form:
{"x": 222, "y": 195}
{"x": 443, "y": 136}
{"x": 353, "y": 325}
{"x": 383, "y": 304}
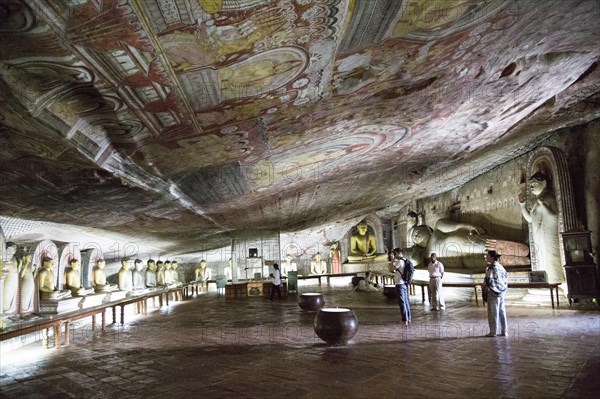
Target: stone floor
{"x": 252, "y": 348}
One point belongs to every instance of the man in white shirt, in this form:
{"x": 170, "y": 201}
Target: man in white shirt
{"x": 436, "y": 272}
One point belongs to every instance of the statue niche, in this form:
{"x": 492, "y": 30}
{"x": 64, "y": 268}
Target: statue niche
{"x": 363, "y": 245}
{"x": 548, "y": 206}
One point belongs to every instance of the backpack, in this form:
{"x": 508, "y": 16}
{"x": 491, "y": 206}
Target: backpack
{"x": 409, "y": 270}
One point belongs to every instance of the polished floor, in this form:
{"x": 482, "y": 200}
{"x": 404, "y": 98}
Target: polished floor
{"x": 251, "y": 348}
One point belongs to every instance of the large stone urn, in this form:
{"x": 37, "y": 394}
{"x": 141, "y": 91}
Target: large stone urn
{"x": 389, "y": 290}
{"x": 311, "y": 301}
{"x": 336, "y": 326}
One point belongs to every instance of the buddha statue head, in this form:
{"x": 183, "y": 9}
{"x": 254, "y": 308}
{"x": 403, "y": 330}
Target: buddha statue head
{"x": 362, "y": 228}
{"x": 151, "y": 265}
{"x": 538, "y": 183}
{"x": 160, "y": 265}
{"x": 421, "y": 235}
{"x": 174, "y": 265}
{"x": 74, "y": 264}
{"x": 11, "y": 250}
{"x": 47, "y": 263}
{"x": 167, "y": 265}
{"x": 138, "y": 265}
{"x": 126, "y": 263}
{"x": 202, "y": 264}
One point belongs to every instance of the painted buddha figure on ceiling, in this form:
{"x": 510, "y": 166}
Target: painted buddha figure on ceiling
{"x": 99, "y": 278}
{"x": 73, "y": 278}
{"x": 47, "y": 282}
{"x": 363, "y": 246}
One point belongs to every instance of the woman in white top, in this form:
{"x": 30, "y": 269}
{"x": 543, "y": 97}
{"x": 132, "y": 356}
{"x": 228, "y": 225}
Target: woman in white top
{"x": 276, "y": 276}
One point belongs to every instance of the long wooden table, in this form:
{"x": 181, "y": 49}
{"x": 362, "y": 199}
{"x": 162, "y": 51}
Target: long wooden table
{"x": 55, "y": 322}
{"x": 552, "y": 286}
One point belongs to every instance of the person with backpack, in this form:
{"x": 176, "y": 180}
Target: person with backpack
{"x": 496, "y": 283}
{"x": 403, "y": 272}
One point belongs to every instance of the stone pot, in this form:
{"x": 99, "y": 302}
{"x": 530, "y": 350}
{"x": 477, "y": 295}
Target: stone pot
{"x": 356, "y": 280}
{"x": 389, "y": 291}
{"x": 336, "y": 326}
{"x": 311, "y": 301}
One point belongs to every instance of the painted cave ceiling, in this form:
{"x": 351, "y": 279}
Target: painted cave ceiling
{"x": 194, "y": 121}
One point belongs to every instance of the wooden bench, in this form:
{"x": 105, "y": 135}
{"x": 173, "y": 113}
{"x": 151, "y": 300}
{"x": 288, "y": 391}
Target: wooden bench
{"x": 328, "y": 276}
{"x": 477, "y": 286}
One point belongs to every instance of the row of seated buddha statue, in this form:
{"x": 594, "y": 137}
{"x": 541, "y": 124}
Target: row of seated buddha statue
{"x": 156, "y": 275}
{"x": 22, "y": 279}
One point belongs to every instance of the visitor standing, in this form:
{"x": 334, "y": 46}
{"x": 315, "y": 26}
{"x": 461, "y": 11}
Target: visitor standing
{"x": 403, "y": 272}
{"x": 276, "y": 276}
{"x": 496, "y": 283}
{"x": 436, "y": 272}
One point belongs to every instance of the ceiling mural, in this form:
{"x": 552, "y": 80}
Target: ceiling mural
{"x": 192, "y": 121}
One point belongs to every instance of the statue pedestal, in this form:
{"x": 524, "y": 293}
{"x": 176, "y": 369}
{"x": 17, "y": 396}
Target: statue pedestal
{"x": 57, "y": 306}
{"x": 115, "y": 296}
{"x": 357, "y": 267}
{"x": 92, "y": 300}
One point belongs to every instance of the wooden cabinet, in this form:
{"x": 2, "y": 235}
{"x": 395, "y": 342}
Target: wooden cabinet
{"x": 582, "y": 282}
{"x": 268, "y": 287}
{"x": 580, "y": 270}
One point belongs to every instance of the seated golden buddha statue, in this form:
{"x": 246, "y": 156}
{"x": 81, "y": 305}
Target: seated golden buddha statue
{"x": 175, "y": 274}
{"x": 202, "y": 273}
{"x": 318, "y": 266}
{"x": 363, "y": 246}
{"x": 151, "y": 274}
{"x": 168, "y": 273}
{"x": 160, "y": 274}
{"x": 125, "y": 276}
{"x": 47, "y": 282}
{"x": 74, "y": 280}
{"x": 288, "y": 265}
{"x": 99, "y": 278}
{"x": 139, "y": 280}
